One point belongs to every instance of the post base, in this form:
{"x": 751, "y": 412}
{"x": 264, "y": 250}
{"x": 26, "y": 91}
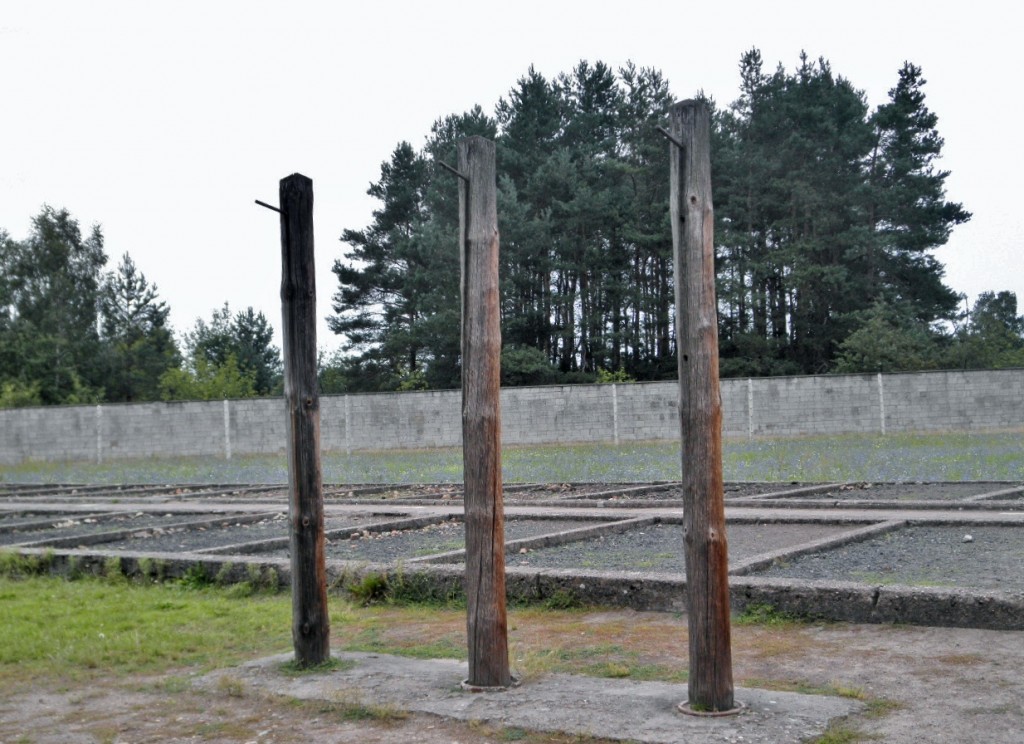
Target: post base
{"x": 465, "y": 685}
{"x": 738, "y": 707}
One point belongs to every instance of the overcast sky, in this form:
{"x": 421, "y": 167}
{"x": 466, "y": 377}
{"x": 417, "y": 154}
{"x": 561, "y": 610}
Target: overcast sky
{"x": 164, "y": 121}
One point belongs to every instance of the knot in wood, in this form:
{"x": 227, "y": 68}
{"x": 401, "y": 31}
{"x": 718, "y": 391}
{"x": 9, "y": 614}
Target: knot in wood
{"x": 305, "y": 521}
{"x": 309, "y": 402}
{"x": 305, "y": 629}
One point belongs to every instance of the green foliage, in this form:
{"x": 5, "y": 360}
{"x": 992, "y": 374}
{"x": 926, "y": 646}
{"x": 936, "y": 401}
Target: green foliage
{"x": 824, "y": 209}
{"x": 888, "y": 341}
{"x": 562, "y": 600}
{"x": 992, "y": 338}
{"x": 619, "y": 375}
{"x": 764, "y": 614}
{"x": 195, "y": 578}
{"x": 235, "y": 350}
{"x": 13, "y": 565}
{"x": 49, "y": 297}
{"x": 18, "y": 394}
{"x": 414, "y": 381}
{"x": 526, "y": 365}
{"x": 139, "y": 346}
{"x": 112, "y": 569}
{"x": 370, "y": 589}
{"x": 207, "y": 381}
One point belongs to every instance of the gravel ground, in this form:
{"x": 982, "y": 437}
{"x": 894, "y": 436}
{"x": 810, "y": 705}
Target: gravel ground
{"x": 234, "y": 534}
{"x": 923, "y": 556}
{"x": 81, "y": 526}
{"x": 16, "y": 519}
{"x": 732, "y": 491}
{"x": 442, "y": 537}
{"x": 908, "y": 491}
{"x": 659, "y": 547}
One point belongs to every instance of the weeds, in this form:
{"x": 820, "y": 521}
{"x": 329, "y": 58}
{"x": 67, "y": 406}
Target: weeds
{"x": 292, "y": 668}
{"x": 765, "y": 614}
{"x": 17, "y": 566}
{"x": 195, "y": 577}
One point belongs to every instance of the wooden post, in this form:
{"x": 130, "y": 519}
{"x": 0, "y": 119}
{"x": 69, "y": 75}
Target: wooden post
{"x": 710, "y": 686}
{"x": 310, "y": 621}
{"x": 487, "y": 624}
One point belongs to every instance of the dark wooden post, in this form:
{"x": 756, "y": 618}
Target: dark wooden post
{"x": 311, "y": 626}
{"x": 487, "y": 623}
{"x": 710, "y": 686}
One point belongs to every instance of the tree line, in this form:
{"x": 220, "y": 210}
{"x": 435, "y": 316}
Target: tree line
{"x": 73, "y": 332}
{"x": 827, "y": 215}
{"x": 826, "y": 212}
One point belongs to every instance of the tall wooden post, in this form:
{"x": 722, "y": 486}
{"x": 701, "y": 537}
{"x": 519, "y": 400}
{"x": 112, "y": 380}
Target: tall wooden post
{"x": 310, "y": 621}
{"x": 486, "y": 622}
{"x": 710, "y": 685}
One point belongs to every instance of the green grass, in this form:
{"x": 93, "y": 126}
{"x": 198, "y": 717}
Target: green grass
{"x": 57, "y": 630}
{"x": 765, "y": 614}
{"x": 897, "y": 457}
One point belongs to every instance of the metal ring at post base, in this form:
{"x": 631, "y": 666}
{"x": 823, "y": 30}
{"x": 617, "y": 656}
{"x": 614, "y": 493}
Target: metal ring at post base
{"x": 738, "y": 707}
{"x": 465, "y": 685}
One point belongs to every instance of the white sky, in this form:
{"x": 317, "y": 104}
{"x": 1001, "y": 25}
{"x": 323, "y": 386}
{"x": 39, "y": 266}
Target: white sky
{"x": 164, "y": 121}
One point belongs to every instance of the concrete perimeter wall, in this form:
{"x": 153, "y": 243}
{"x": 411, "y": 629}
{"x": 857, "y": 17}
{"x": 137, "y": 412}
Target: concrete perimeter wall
{"x": 774, "y": 406}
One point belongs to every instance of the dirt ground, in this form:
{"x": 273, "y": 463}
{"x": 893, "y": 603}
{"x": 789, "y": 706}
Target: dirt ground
{"x": 920, "y": 685}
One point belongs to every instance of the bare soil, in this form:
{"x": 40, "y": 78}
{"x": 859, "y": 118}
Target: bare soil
{"x": 921, "y": 684}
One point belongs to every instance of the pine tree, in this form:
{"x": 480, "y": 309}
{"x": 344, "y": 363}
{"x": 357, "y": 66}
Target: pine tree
{"x": 909, "y": 214}
{"x": 51, "y": 290}
{"x": 138, "y": 345}
{"x": 243, "y": 340}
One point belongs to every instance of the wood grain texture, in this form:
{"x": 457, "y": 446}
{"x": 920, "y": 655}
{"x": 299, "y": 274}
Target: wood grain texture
{"x": 710, "y": 685}
{"x": 486, "y": 619}
{"x": 310, "y": 620}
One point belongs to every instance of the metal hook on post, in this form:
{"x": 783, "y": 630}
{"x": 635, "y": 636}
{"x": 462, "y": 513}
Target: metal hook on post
{"x": 671, "y": 138}
{"x": 268, "y": 206}
{"x": 451, "y": 170}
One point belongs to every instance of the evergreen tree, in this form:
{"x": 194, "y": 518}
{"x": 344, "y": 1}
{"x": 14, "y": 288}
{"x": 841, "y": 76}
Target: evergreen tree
{"x": 377, "y": 304}
{"x": 909, "y": 214}
{"x": 889, "y": 339}
{"x": 993, "y": 337}
{"x": 49, "y": 323}
{"x": 139, "y": 346}
{"x": 242, "y": 340}
{"x": 822, "y": 211}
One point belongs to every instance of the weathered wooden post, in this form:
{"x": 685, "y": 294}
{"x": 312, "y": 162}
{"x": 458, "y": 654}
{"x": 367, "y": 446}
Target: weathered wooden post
{"x": 310, "y": 621}
{"x": 486, "y": 622}
{"x": 710, "y": 685}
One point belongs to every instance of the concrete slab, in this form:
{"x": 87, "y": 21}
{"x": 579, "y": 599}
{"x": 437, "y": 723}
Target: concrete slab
{"x": 557, "y": 703}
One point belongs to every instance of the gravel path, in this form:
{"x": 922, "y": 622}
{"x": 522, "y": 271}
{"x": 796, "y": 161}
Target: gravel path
{"x": 205, "y": 538}
{"x": 908, "y": 491}
{"x": 81, "y": 526}
{"x": 922, "y": 556}
{"x": 443, "y": 537}
{"x": 659, "y": 547}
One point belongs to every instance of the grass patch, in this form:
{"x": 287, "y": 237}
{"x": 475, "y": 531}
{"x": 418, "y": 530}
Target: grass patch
{"x": 858, "y": 457}
{"x": 348, "y": 705}
{"x": 765, "y": 614}
{"x": 294, "y": 669}
{"x": 97, "y": 627}
{"x": 842, "y": 733}
{"x": 806, "y": 688}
